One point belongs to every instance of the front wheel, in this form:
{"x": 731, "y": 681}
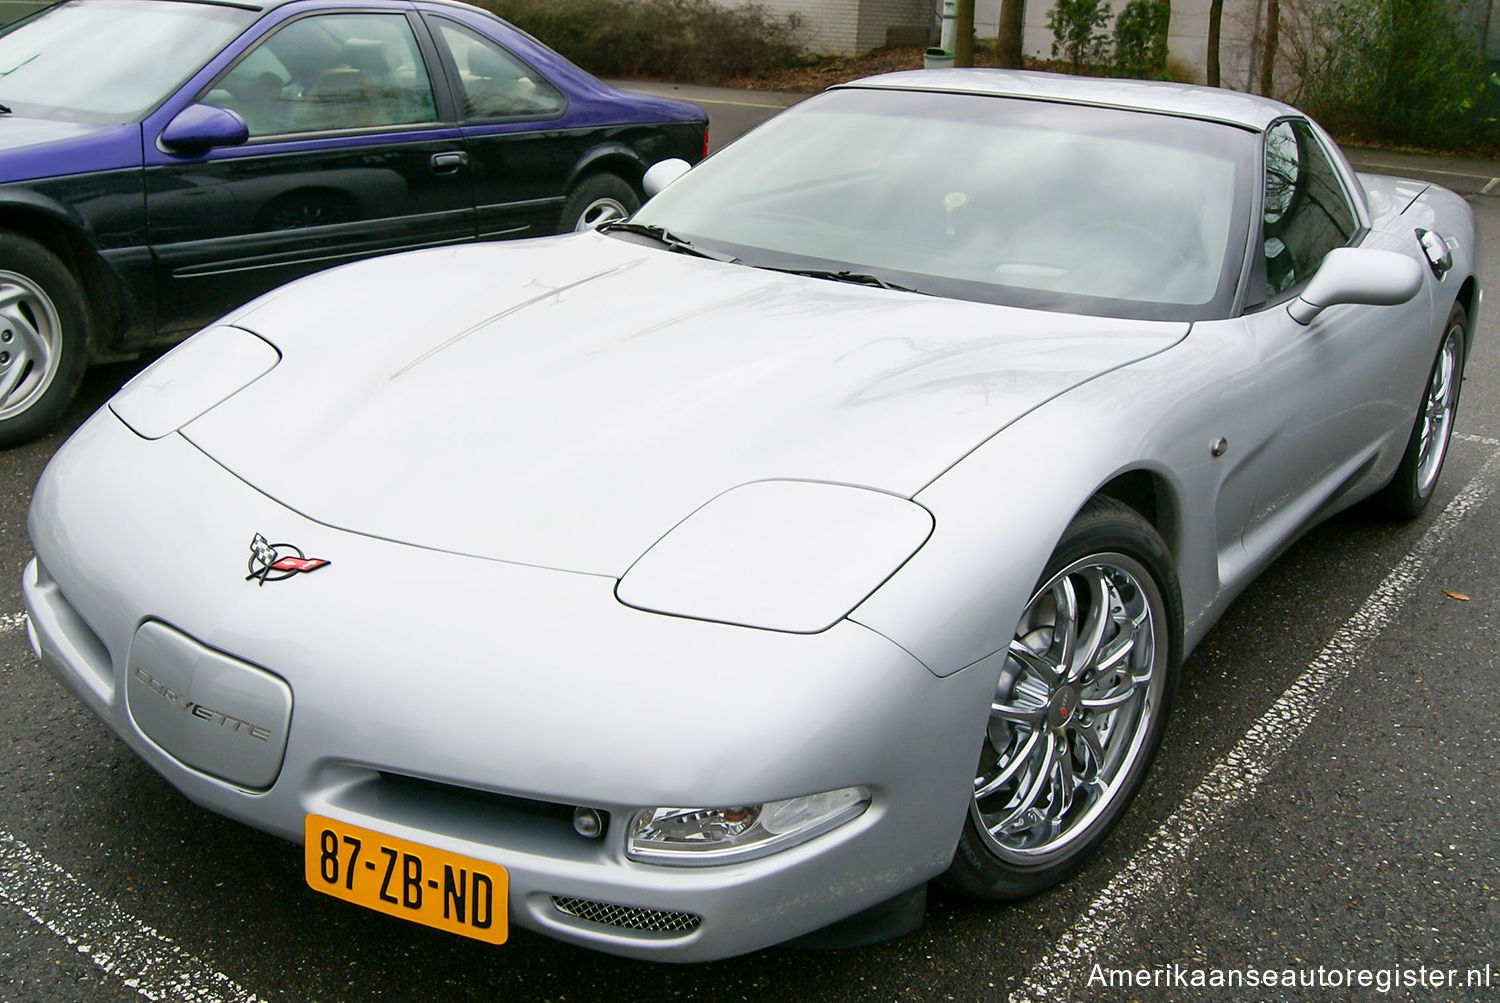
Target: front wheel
{"x": 43, "y": 343}
{"x": 597, "y": 199}
{"x": 1416, "y": 478}
{"x": 1079, "y": 708}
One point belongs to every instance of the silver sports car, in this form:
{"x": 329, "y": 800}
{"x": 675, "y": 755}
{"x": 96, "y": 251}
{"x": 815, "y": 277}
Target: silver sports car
{"x": 837, "y": 524}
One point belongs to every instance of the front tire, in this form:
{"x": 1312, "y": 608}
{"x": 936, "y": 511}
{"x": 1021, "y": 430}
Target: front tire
{"x": 597, "y": 199}
{"x": 1079, "y": 709}
{"x": 43, "y": 338}
{"x": 1416, "y": 478}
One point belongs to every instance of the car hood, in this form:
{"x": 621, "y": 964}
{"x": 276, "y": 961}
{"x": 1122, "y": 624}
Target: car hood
{"x": 41, "y": 148}
{"x": 564, "y": 402}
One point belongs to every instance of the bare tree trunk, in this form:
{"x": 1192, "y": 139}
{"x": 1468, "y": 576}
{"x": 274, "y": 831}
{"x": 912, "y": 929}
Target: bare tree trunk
{"x": 963, "y": 33}
{"x": 1008, "y": 47}
{"x": 1273, "y": 40}
{"x": 1215, "y": 16}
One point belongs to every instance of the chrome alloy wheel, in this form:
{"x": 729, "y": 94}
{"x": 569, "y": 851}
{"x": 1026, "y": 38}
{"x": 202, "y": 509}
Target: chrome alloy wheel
{"x": 600, "y": 210}
{"x": 30, "y": 343}
{"x": 1438, "y": 408}
{"x": 1074, "y": 708}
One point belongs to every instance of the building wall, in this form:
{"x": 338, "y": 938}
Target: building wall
{"x": 875, "y": 16}
{"x": 827, "y": 25}
{"x": 846, "y": 27}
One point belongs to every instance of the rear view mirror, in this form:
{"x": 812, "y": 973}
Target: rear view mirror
{"x": 201, "y": 127}
{"x": 663, "y": 173}
{"x": 1357, "y": 275}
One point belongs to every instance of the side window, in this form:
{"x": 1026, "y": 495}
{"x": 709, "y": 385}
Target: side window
{"x": 330, "y": 72}
{"x": 1306, "y": 212}
{"x": 493, "y": 83}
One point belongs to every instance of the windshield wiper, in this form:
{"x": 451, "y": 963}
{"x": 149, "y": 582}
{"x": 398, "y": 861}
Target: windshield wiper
{"x": 665, "y": 237}
{"x": 844, "y": 275}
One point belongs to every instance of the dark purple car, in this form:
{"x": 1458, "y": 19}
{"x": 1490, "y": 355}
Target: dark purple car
{"x": 163, "y": 161}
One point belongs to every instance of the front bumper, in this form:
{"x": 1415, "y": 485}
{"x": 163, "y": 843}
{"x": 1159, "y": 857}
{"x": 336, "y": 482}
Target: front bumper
{"x": 455, "y": 702}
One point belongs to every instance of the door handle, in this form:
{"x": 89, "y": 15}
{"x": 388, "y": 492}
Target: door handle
{"x": 447, "y": 163}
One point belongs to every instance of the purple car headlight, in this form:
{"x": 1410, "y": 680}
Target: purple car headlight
{"x": 689, "y": 836}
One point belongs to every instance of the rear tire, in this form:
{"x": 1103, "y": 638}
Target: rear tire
{"x": 1079, "y": 709}
{"x": 597, "y": 199}
{"x": 1416, "y": 478}
{"x": 43, "y": 338}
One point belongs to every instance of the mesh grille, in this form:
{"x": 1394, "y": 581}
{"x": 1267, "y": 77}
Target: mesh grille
{"x": 646, "y": 920}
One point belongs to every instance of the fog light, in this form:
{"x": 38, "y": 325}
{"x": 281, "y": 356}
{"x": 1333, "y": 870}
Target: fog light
{"x": 587, "y": 823}
{"x": 692, "y": 836}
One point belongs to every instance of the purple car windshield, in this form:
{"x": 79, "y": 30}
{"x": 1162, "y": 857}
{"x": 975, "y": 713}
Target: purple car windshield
{"x": 110, "y": 61}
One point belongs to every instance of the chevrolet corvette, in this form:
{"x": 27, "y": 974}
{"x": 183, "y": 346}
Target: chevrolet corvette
{"x": 837, "y": 524}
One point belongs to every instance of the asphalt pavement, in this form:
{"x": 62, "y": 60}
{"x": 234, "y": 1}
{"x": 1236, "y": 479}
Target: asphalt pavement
{"x": 1325, "y": 803}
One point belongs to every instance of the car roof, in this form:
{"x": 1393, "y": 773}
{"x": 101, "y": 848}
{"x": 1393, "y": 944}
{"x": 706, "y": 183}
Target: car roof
{"x": 1249, "y": 111}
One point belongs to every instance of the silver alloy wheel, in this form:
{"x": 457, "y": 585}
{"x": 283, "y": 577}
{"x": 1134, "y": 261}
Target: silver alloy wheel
{"x": 1437, "y": 410}
{"x": 30, "y": 343}
{"x": 601, "y": 210}
{"x": 1074, "y": 708}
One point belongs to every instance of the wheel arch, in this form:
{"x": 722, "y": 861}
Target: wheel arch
{"x": 1468, "y": 298}
{"x": 1152, "y": 497}
{"x": 610, "y": 158}
{"x": 66, "y": 238}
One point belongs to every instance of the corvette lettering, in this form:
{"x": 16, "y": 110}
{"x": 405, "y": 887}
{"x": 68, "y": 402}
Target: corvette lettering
{"x": 201, "y": 712}
{"x": 274, "y": 562}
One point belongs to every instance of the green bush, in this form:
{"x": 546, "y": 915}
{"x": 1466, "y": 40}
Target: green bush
{"x": 1141, "y": 39}
{"x": 692, "y": 41}
{"x": 1393, "y": 71}
{"x": 1078, "y": 31}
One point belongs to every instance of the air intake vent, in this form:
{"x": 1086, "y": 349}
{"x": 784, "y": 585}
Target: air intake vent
{"x": 627, "y": 918}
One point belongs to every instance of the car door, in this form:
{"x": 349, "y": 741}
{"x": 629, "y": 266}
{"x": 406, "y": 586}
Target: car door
{"x": 1333, "y": 386}
{"x": 512, "y": 120}
{"x": 352, "y": 152}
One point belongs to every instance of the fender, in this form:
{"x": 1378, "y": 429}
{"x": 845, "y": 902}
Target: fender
{"x": 117, "y": 278}
{"x": 610, "y": 150}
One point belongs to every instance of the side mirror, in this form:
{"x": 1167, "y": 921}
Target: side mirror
{"x": 663, "y": 173}
{"x": 1357, "y": 275}
{"x": 201, "y": 127}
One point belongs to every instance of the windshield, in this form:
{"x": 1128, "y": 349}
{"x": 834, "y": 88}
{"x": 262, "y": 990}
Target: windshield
{"x": 108, "y": 61}
{"x": 1029, "y": 203}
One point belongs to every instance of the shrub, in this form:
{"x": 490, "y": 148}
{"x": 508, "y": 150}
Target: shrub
{"x": 1391, "y": 71}
{"x": 1078, "y": 31}
{"x": 1141, "y": 39}
{"x": 693, "y": 41}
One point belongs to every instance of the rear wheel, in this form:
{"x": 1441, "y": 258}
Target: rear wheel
{"x": 1079, "y": 709}
{"x": 43, "y": 342}
{"x": 1416, "y": 478}
{"x": 597, "y": 199}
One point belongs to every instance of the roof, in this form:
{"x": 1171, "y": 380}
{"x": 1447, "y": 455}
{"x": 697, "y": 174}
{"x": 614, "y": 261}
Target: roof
{"x": 1248, "y": 111}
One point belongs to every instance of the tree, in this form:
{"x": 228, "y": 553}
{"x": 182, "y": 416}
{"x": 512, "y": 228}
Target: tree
{"x": 963, "y": 33}
{"x": 1215, "y": 19}
{"x": 1273, "y": 42}
{"x": 1141, "y": 39}
{"x": 1078, "y": 31}
{"x": 1008, "y": 45}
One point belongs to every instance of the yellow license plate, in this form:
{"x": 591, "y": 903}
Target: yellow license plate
{"x": 407, "y": 880}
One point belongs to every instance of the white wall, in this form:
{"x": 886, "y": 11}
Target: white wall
{"x": 849, "y": 27}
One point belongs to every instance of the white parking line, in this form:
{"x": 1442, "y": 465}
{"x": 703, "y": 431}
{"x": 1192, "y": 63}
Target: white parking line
{"x": 1482, "y": 440}
{"x": 96, "y": 928}
{"x": 11, "y": 621}
{"x": 1154, "y": 870}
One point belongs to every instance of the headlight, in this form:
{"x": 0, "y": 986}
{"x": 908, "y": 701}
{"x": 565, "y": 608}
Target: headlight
{"x": 202, "y": 372}
{"x": 692, "y": 836}
{"x": 780, "y": 555}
